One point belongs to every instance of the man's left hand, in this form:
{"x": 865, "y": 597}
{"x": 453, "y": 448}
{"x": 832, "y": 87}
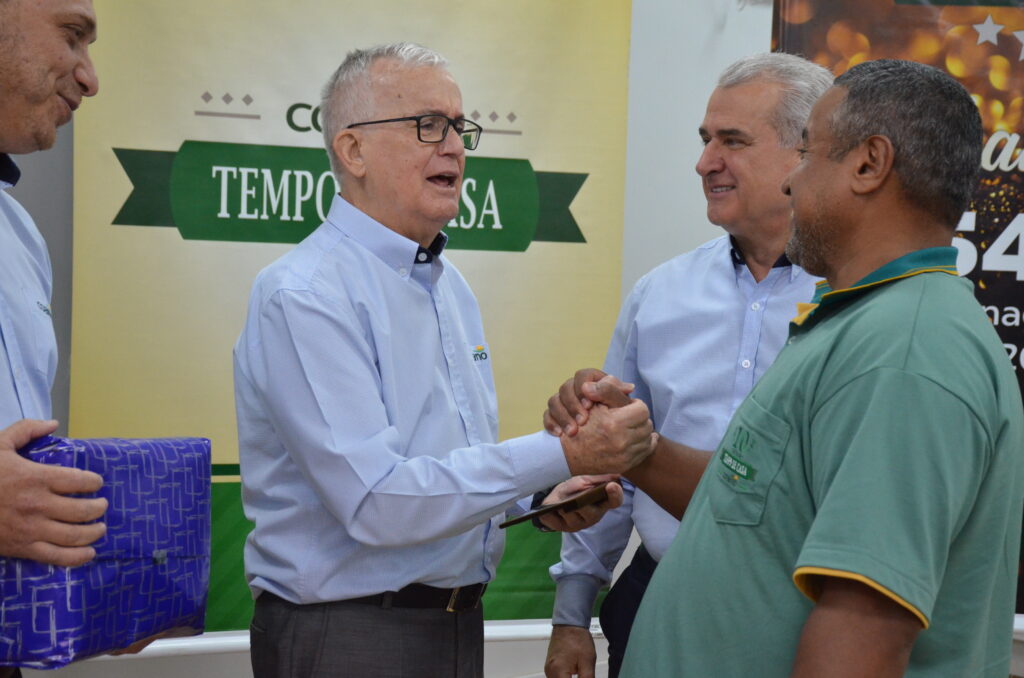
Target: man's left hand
{"x": 584, "y": 517}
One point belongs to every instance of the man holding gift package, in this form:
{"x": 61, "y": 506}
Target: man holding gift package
{"x": 45, "y": 72}
{"x": 367, "y": 426}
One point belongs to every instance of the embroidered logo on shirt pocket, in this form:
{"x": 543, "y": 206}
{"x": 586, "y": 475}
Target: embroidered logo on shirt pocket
{"x": 746, "y": 464}
{"x": 480, "y": 353}
{"x": 39, "y": 351}
{"x": 482, "y": 359}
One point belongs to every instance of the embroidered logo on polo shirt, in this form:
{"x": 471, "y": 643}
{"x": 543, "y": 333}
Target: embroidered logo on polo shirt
{"x": 479, "y": 352}
{"x": 733, "y": 453}
{"x": 44, "y": 308}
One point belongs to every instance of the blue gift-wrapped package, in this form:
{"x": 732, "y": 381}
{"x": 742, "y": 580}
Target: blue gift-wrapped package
{"x": 152, "y": 568}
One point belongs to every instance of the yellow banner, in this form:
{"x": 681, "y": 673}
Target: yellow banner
{"x": 155, "y": 315}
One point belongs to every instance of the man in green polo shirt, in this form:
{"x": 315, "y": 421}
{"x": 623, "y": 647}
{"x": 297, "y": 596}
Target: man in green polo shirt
{"x": 862, "y": 514}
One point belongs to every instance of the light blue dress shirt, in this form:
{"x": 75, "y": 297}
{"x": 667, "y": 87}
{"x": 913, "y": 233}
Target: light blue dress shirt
{"x": 367, "y": 422}
{"x": 694, "y": 335}
{"x": 28, "y": 361}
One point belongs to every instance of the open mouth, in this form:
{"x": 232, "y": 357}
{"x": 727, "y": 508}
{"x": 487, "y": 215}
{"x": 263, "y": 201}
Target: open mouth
{"x": 444, "y": 180}
{"x": 722, "y": 189}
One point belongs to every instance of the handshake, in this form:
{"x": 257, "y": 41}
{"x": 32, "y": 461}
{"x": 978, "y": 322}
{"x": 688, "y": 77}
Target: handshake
{"x": 602, "y": 431}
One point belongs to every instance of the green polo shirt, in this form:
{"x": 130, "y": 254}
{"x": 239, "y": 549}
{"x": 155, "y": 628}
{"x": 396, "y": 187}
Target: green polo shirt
{"x": 884, "y": 445}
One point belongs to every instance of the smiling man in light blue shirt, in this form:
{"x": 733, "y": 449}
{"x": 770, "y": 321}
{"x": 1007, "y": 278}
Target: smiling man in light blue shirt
{"x": 45, "y": 72}
{"x": 367, "y": 420}
{"x": 697, "y": 333}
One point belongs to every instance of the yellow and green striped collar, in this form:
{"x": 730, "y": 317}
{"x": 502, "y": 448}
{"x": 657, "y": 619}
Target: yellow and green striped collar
{"x": 930, "y": 260}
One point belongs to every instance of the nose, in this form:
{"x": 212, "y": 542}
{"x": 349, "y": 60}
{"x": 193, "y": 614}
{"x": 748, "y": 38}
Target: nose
{"x": 452, "y": 143}
{"x": 85, "y": 75}
{"x": 710, "y": 160}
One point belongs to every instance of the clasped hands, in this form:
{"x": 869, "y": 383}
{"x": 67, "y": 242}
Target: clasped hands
{"x": 603, "y": 433}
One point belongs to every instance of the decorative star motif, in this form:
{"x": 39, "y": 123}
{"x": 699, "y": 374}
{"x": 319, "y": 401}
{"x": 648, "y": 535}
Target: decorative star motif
{"x": 988, "y": 31}
{"x": 1020, "y": 36}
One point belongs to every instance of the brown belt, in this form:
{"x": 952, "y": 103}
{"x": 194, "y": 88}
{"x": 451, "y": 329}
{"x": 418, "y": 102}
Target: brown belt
{"x": 460, "y": 599}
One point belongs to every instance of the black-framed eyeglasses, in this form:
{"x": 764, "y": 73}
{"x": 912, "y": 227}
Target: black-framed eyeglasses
{"x": 432, "y": 128}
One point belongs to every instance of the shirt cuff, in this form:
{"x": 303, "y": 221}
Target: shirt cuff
{"x": 574, "y": 600}
{"x": 538, "y": 461}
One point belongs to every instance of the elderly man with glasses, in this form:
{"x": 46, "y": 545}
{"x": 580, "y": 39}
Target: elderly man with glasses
{"x": 367, "y": 430}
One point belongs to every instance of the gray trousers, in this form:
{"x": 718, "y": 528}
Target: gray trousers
{"x": 343, "y": 639}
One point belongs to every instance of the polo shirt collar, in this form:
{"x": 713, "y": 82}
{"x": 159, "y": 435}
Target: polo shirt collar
{"x": 9, "y": 172}
{"x": 395, "y": 250}
{"x": 929, "y": 260}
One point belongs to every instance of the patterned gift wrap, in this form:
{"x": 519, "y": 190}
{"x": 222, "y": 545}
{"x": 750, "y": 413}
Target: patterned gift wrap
{"x": 152, "y": 568}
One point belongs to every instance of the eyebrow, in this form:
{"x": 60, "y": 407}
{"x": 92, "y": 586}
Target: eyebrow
{"x": 732, "y": 132}
{"x": 434, "y": 111}
{"x": 728, "y": 132}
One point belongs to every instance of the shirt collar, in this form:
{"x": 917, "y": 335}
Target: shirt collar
{"x": 9, "y": 172}
{"x": 424, "y": 255}
{"x": 929, "y": 260}
{"x": 740, "y": 260}
{"x": 395, "y": 250}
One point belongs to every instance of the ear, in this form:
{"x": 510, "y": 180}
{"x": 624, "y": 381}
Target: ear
{"x": 873, "y": 160}
{"x": 347, "y": 148}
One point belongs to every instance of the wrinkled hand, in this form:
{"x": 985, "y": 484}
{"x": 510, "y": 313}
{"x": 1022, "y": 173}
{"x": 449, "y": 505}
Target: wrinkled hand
{"x": 37, "y": 520}
{"x": 570, "y": 652}
{"x": 614, "y": 440}
{"x": 569, "y": 408}
{"x": 584, "y": 517}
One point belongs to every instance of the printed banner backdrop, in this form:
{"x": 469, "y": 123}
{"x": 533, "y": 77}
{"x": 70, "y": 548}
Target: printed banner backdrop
{"x": 982, "y": 45}
{"x": 201, "y": 161}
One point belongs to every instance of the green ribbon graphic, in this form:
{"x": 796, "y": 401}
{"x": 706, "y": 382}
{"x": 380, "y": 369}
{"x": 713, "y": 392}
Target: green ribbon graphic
{"x": 252, "y": 193}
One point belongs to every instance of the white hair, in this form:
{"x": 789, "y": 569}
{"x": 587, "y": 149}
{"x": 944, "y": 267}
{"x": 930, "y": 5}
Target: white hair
{"x": 347, "y": 98}
{"x": 802, "y": 81}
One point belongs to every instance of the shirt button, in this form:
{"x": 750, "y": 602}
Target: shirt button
{"x": 755, "y": 306}
{"x": 746, "y": 364}
{"x": 403, "y": 271}
{"x": 422, "y": 256}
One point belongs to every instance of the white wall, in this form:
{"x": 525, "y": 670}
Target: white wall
{"x": 676, "y": 53}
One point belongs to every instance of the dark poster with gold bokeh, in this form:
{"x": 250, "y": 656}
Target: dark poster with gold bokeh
{"x": 981, "y": 44}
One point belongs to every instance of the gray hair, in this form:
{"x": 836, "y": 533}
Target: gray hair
{"x": 932, "y": 122}
{"x": 347, "y": 98}
{"x": 802, "y": 81}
